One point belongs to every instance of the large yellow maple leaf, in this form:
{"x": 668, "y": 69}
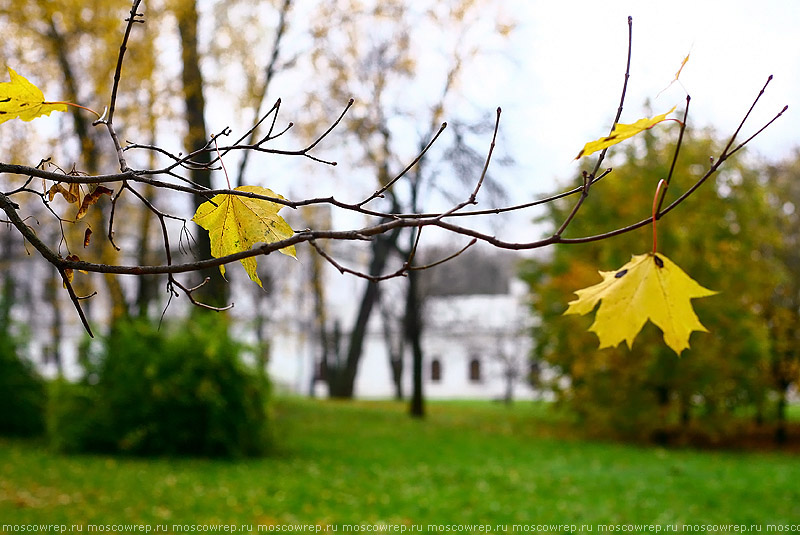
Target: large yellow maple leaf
{"x": 621, "y": 132}
{"x": 650, "y": 286}
{"x": 21, "y": 99}
{"x": 235, "y": 223}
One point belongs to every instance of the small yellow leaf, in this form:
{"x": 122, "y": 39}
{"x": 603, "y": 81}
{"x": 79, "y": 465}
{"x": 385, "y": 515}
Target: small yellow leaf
{"x": 21, "y": 99}
{"x": 677, "y": 75}
{"x": 650, "y": 286}
{"x": 621, "y": 132}
{"x": 683, "y": 64}
{"x": 236, "y": 223}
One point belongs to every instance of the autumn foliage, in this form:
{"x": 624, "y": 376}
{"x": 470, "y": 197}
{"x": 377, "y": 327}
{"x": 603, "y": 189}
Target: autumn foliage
{"x": 722, "y": 385}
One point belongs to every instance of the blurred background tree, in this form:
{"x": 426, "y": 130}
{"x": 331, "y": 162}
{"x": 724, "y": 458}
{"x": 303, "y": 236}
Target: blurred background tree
{"x": 783, "y": 309}
{"x": 727, "y": 237}
{"x": 376, "y": 52}
{"x": 73, "y": 45}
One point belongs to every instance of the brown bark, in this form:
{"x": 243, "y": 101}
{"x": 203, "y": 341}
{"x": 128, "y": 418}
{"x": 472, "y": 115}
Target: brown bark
{"x": 215, "y": 292}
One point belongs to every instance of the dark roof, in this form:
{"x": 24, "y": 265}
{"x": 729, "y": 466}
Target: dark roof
{"x": 477, "y": 271}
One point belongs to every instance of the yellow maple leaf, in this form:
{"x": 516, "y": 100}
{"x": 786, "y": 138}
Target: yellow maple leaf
{"x": 650, "y": 286}
{"x": 621, "y": 132}
{"x": 236, "y": 223}
{"x": 21, "y": 99}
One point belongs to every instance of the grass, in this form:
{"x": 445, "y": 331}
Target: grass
{"x": 367, "y": 462}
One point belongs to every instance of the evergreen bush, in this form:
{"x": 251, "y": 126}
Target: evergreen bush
{"x": 179, "y": 390}
{"x": 22, "y": 390}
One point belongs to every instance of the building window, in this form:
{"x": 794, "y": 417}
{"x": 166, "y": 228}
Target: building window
{"x": 436, "y": 370}
{"x": 475, "y": 370}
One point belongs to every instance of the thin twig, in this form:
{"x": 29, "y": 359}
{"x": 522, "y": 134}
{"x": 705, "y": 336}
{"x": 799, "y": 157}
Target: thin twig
{"x": 677, "y": 202}
{"x": 133, "y": 18}
{"x": 746, "y": 115}
{"x": 674, "y": 158}
{"x": 268, "y": 74}
{"x": 472, "y": 242}
{"x": 379, "y": 193}
{"x": 372, "y": 278}
{"x": 75, "y": 301}
{"x": 189, "y": 291}
{"x": 473, "y": 196}
{"x": 588, "y": 178}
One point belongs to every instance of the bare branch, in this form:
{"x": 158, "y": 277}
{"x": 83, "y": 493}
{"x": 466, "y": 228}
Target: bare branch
{"x": 674, "y": 157}
{"x": 189, "y": 291}
{"x": 472, "y": 242}
{"x": 474, "y": 194}
{"x": 381, "y": 191}
{"x": 75, "y": 301}
{"x": 588, "y": 178}
{"x": 108, "y": 118}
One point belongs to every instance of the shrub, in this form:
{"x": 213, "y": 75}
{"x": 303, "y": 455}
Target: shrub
{"x": 22, "y": 393}
{"x": 22, "y": 390}
{"x": 180, "y": 390}
{"x": 77, "y": 421}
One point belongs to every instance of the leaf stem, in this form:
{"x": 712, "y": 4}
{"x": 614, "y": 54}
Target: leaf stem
{"x": 76, "y": 106}
{"x": 656, "y": 197}
{"x": 221, "y": 162}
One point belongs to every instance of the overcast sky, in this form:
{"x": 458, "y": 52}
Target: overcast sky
{"x": 570, "y": 61}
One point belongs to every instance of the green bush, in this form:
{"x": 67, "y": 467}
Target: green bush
{"x": 179, "y": 390}
{"x": 22, "y": 390}
{"x": 77, "y": 421}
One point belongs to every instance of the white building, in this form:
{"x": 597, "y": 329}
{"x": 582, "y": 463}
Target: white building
{"x": 475, "y": 346}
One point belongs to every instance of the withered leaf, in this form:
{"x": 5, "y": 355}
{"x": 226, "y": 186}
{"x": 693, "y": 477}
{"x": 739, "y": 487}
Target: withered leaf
{"x": 91, "y": 199}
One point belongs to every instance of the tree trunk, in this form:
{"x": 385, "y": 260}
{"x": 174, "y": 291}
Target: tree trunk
{"x": 685, "y": 409}
{"x": 215, "y": 291}
{"x": 90, "y": 155}
{"x": 89, "y": 152}
{"x": 341, "y": 376}
{"x": 413, "y": 333}
{"x": 395, "y": 347}
{"x": 780, "y": 429}
{"x": 320, "y": 322}
{"x": 396, "y": 364}
{"x": 511, "y": 375}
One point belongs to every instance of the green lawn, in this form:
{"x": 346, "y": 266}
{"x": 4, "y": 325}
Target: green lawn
{"x": 367, "y": 463}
